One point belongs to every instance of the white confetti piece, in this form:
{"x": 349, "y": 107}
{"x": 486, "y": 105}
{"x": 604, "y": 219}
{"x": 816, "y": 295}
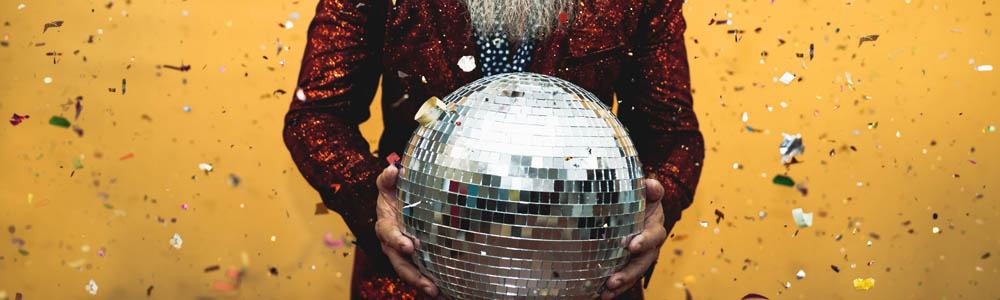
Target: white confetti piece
{"x": 91, "y": 287}
{"x": 293, "y": 16}
{"x": 984, "y": 68}
{"x": 289, "y": 24}
{"x": 20, "y": 7}
{"x": 300, "y": 94}
{"x": 47, "y": 80}
{"x": 801, "y": 274}
{"x": 467, "y": 63}
{"x": 787, "y": 78}
{"x": 802, "y": 219}
{"x": 745, "y": 118}
{"x": 205, "y": 167}
{"x": 176, "y": 241}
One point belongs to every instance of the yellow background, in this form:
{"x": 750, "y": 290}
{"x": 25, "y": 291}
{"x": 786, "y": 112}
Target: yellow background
{"x": 917, "y": 81}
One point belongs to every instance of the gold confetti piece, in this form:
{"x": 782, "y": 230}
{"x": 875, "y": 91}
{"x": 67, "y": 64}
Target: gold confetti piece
{"x": 864, "y": 284}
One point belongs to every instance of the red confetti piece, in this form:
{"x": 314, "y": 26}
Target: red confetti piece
{"x": 562, "y": 18}
{"x": 392, "y": 158}
{"x": 127, "y": 156}
{"x": 222, "y": 286}
{"x": 16, "y": 119}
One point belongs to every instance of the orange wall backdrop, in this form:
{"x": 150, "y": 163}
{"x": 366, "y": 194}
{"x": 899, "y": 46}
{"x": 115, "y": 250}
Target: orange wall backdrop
{"x": 896, "y": 132}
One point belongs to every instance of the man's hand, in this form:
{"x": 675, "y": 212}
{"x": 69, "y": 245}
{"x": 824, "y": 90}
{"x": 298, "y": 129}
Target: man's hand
{"x": 394, "y": 244}
{"x": 645, "y": 247}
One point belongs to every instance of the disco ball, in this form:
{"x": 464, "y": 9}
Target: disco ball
{"x": 520, "y": 185}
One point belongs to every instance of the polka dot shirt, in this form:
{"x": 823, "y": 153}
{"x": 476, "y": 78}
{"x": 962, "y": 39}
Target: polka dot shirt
{"x": 495, "y": 55}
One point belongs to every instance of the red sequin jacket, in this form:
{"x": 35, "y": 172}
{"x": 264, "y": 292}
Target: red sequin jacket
{"x": 630, "y": 48}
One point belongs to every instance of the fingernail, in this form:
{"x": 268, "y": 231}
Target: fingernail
{"x": 428, "y": 290}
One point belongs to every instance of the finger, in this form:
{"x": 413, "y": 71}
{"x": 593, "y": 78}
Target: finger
{"x": 612, "y": 293}
{"x": 650, "y": 238}
{"x": 388, "y": 232}
{"x": 386, "y": 181}
{"x": 654, "y": 190}
{"x": 628, "y": 275}
{"x": 409, "y": 273}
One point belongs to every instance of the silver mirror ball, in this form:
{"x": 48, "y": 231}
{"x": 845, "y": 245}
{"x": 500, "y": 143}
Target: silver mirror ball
{"x": 520, "y": 186}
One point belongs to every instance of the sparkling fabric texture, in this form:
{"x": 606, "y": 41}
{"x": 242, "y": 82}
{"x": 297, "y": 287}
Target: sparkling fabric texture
{"x": 523, "y": 188}
{"x": 632, "y": 49}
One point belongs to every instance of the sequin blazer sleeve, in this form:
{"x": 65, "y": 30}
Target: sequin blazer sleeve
{"x": 339, "y": 77}
{"x": 657, "y": 107}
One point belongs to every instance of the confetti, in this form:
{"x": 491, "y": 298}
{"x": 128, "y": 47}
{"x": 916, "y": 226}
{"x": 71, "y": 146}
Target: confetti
{"x": 211, "y": 268}
{"x": 393, "y": 159}
{"x": 91, "y": 287}
{"x": 17, "y": 119}
{"x": 127, "y": 156}
{"x": 467, "y": 63}
{"x": 233, "y": 180}
{"x": 783, "y": 180}
{"x": 205, "y": 167}
{"x": 802, "y": 219}
{"x": 300, "y": 94}
{"x": 176, "y": 241}
{"x": 864, "y": 284}
{"x": 53, "y": 24}
{"x": 330, "y": 242}
{"x": 321, "y": 209}
{"x": 182, "y": 67}
{"x": 222, "y": 286}
{"x": 791, "y": 145}
{"x": 870, "y": 38}
{"x": 801, "y": 274}
{"x": 753, "y": 296}
{"x": 79, "y": 107}
{"x": 835, "y": 268}
{"x": 984, "y": 68}
{"x": 787, "y": 78}
{"x": 985, "y": 256}
{"x": 186, "y": 108}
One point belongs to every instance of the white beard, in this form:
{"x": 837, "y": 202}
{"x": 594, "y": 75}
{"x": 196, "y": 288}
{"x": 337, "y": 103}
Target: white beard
{"x": 521, "y": 20}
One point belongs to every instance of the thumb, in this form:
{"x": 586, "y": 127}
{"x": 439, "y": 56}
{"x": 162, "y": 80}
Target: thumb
{"x": 654, "y": 190}
{"x": 386, "y": 181}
